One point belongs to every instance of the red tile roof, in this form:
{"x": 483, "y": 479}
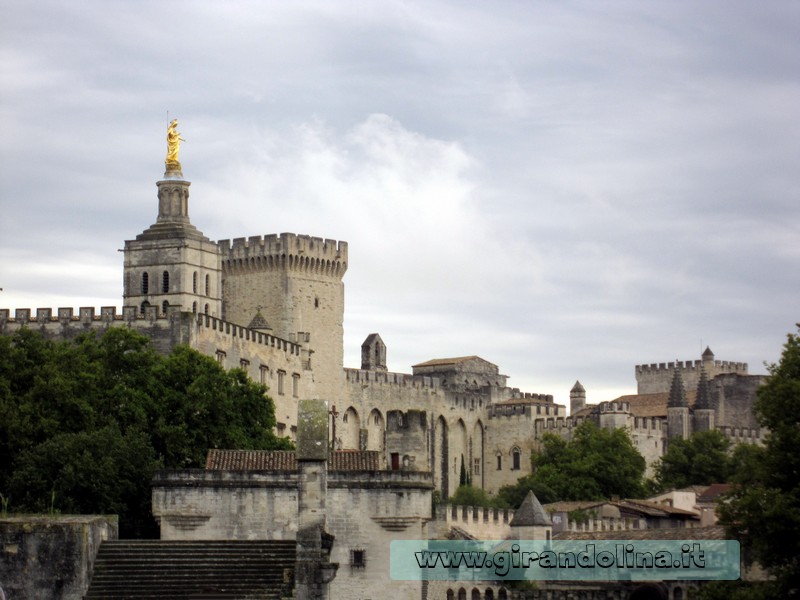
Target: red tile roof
{"x": 285, "y": 460}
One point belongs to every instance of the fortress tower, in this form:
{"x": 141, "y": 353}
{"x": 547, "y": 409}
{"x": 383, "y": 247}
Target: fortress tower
{"x": 296, "y": 283}
{"x": 172, "y": 263}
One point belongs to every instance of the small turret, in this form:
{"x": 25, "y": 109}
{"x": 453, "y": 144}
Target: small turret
{"x": 577, "y": 398}
{"x": 373, "y": 353}
{"x": 531, "y": 521}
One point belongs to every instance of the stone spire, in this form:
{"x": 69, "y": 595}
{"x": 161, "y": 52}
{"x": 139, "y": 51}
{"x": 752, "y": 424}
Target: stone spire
{"x": 677, "y": 394}
{"x": 531, "y": 513}
{"x": 705, "y": 399}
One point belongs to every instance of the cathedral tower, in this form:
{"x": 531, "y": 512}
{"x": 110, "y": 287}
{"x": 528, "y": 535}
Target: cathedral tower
{"x": 172, "y": 263}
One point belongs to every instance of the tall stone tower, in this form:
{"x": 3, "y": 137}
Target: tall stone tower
{"x": 296, "y": 282}
{"x": 172, "y": 263}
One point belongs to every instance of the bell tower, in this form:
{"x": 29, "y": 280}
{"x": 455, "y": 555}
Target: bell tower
{"x": 172, "y": 263}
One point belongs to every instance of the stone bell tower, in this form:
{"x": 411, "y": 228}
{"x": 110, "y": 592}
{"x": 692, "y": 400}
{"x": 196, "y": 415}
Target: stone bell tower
{"x": 172, "y": 263}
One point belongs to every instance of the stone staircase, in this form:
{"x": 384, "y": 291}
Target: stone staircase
{"x": 201, "y": 570}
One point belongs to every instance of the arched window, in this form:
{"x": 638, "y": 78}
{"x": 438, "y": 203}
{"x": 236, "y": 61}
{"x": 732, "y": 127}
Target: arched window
{"x": 164, "y": 307}
{"x": 499, "y": 462}
{"x": 144, "y": 305}
{"x": 502, "y": 594}
{"x": 476, "y": 594}
{"x": 451, "y": 595}
{"x": 145, "y": 283}
{"x": 208, "y": 285}
{"x": 515, "y": 455}
{"x": 206, "y": 311}
{"x": 194, "y": 307}
{"x": 462, "y": 594}
{"x": 194, "y": 282}
{"x": 165, "y": 282}
{"x": 489, "y": 594}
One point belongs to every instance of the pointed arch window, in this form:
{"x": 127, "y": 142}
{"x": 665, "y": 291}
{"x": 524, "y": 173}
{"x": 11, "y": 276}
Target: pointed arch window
{"x": 515, "y": 459}
{"x": 194, "y": 282}
{"x": 165, "y": 282}
{"x": 208, "y": 285}
{"x": 145, "y": 283}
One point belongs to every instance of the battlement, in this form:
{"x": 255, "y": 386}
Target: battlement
{"x": 739, "y": 435}
{"x": 384, "y": 378}
{"x": 85, "y": 314}
{"x": 720, "y": 366}
{"x": 517, "y": 395}
{"x": 526, "y": 409}
{"x": 614, "y": 407}
{"x": 287, "y": 250}
{"x": 88, "y": 317}
{"x": 257, "y": 337}
{"x": 478, "y": 521}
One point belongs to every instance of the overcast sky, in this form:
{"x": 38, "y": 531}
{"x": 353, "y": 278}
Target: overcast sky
{"x": 566, "y": 189}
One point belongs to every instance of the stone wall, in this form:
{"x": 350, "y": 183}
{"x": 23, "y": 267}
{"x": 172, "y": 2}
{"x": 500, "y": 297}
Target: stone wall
{"x": 365, "y": 511}
{"x": 51, "y": 557}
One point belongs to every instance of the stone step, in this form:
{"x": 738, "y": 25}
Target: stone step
{"x": 207, "y": 570}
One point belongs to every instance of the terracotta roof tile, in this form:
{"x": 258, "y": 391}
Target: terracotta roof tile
{"x": 438, "y": 362}
{"x": 285, "y": 460}
{"x": 714, "y": 491}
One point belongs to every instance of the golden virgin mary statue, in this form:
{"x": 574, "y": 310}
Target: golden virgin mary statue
{"x": 174, "y": 140}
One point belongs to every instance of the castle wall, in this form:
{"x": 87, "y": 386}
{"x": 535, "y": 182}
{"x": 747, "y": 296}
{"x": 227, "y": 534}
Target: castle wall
{"x": 735, "y": 396}
{"x": 479, "y": 522}
{"x": 657, "y": 377}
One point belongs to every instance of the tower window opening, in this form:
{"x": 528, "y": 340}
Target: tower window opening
{"x": 194, "y": 282}
{"x": 208, "y": 285}
{"x": 165, "y": 282}
{"x": 316, "y": 302}
{"x": 164, "y": 307}
{"x": 144, "y": 305}
{"x": 206, "y": 309}
{"x": 194, "y": 307}
{"x": 145, "y": 283}
{"x": 515, "y": 455}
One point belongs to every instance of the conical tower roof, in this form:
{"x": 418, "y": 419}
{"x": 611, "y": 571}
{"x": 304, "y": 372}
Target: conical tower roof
{"x": 677, "y": 393}
{"x": 704, "y": 396}
{"x": 531, "y": 512}
{"x": 259, "y": 322}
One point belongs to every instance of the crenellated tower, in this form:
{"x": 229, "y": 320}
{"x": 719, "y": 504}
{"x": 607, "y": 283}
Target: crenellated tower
{"x": 172, "y": 263}
{"x": 296, "y": 283}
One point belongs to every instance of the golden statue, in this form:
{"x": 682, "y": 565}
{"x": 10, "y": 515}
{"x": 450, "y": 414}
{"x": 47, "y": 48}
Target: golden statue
{"x": 174, "y": 140}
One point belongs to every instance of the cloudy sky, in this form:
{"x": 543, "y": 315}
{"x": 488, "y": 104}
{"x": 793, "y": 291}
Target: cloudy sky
{"x": 566, "y": 189}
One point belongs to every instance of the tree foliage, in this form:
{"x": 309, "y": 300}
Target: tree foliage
{"x": 763, "y": 510}
{"x": 466, "y": 495}
{"x": 595, "y": 464}
{"x": 700, "y": 460}
{"x": 84, "y": 424}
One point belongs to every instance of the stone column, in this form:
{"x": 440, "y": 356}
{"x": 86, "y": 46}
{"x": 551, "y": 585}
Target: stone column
{"x": 313, "y": 571}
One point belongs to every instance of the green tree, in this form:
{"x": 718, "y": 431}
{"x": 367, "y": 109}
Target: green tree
{"x": 84, "y": 424}
{"x": 763, "y": 509}
{"x": 700, "y": 460}
{"x": 595, "y": 464}
{"x": 466, "y": 495}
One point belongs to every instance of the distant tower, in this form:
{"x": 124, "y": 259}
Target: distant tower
{"x": 172, "y": 263}
{"x": 577, "y": 398}
{"x": 373, "y": 353}
{"x": 677, "y": 409}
